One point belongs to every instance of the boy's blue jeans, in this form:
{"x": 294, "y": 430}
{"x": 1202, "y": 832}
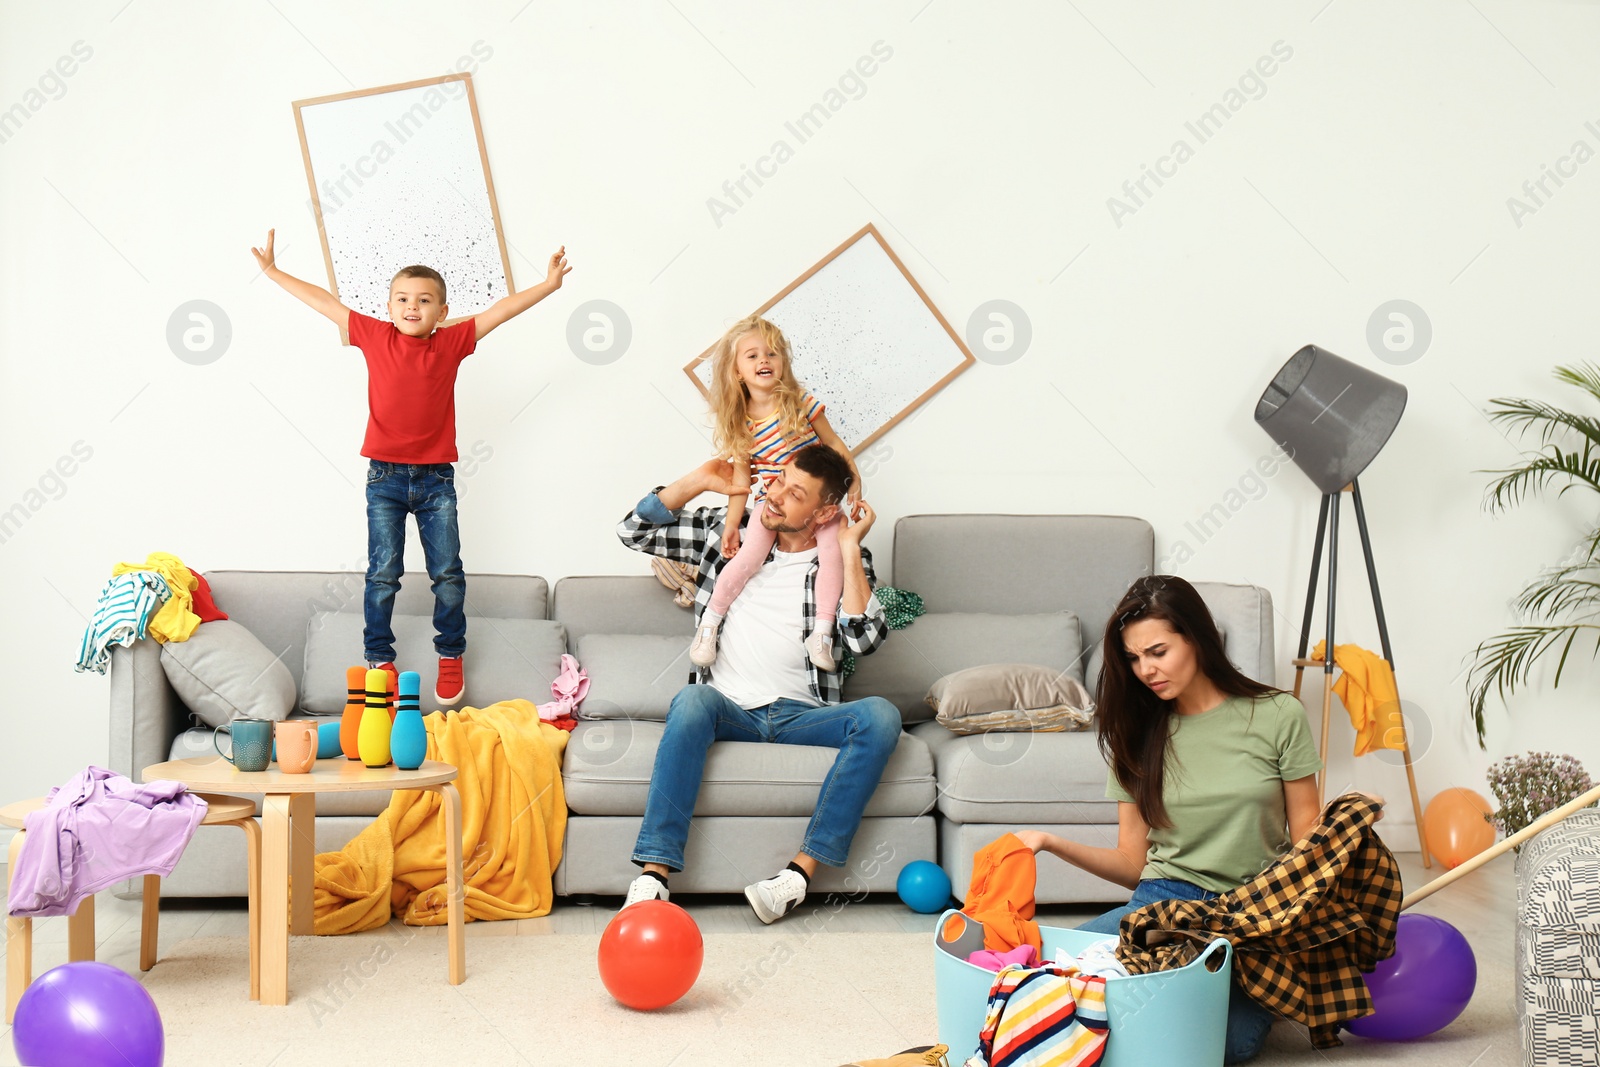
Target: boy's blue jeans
{"x": 864, "y": 731}
{"x": 1248, "y": 1022}
{"x": 428, "y": 491}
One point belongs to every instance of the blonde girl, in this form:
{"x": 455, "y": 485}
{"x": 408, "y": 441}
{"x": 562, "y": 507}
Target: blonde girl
{"x": 762, "y": 416}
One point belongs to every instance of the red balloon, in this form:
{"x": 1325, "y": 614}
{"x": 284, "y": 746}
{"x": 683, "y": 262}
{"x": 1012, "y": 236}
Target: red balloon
{"x": 650, "y": 954}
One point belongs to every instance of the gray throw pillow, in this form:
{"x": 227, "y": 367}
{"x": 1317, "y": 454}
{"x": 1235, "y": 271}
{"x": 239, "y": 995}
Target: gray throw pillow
{"x": 632, "y": 676}
{"x": 224, "y": 672}
{"x": 506, "y": 658}
{"x": 1010, "y": 697}
{"x": 911, "y": 660}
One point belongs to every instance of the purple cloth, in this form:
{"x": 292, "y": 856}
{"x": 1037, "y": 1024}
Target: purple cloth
{"x": 98, "y": 829}
{"x": 989, "y": 960}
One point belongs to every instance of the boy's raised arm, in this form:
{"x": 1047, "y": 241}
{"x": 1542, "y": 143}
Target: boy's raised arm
{"x": 515, "y": 304}
{"x": 313, "y": 296}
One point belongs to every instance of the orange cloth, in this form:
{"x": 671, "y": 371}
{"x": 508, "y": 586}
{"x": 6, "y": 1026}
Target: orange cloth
{"x": 1004, "y": 873}
{"x": 1367, "y": 690}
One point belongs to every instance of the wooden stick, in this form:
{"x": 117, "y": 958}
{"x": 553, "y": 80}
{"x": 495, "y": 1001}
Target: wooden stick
{"x": 1539, "y": 825}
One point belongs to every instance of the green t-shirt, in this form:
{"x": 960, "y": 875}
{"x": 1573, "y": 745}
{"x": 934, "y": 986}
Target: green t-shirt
{"x": 1223, "y": 788}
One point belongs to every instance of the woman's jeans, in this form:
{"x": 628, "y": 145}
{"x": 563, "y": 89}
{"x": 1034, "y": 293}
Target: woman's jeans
{"x": 1248, "y": 1022}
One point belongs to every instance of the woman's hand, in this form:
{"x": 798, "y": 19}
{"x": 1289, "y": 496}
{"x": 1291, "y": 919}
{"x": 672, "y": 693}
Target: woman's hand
{"x": 1037, "y": 841}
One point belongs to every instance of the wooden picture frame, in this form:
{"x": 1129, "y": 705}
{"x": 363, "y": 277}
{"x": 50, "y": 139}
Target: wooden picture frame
{"x": 421, "y": 153}
{"x": 860, "y": 412}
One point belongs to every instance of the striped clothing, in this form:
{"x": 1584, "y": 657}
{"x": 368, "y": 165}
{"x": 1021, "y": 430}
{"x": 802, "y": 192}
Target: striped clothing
{"x": 122, "y": 616}
{"x": 1045, "y": 1017}
{"x": 771, "y": 450}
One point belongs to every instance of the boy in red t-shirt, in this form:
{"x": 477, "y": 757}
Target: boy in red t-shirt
{"x": 411, "y": 441}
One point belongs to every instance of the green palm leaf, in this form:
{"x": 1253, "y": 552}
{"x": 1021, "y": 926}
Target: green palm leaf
{"x": 1563, "y": 603}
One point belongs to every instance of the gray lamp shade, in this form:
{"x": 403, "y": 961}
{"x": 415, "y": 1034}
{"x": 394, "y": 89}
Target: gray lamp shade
{"x": 1332, "y": 416}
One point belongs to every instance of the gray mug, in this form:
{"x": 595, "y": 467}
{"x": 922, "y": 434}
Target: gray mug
{"x": 252, "y": 744}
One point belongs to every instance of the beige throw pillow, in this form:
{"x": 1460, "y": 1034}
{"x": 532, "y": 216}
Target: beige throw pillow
{"x": 1010, "y": 697}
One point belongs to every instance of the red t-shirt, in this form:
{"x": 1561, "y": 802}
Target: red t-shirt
{"x": 411, "y": 389}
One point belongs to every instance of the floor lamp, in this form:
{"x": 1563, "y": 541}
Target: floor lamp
{"x": 1333, "y": 418}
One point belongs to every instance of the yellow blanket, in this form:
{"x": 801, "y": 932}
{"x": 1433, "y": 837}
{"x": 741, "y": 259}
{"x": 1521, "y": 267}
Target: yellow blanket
{"x": 513, "y": 820}
{"x": 1366, "y": 687}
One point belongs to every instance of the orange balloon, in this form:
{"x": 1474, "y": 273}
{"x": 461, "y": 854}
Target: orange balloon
{"x": 1457, "y": 826}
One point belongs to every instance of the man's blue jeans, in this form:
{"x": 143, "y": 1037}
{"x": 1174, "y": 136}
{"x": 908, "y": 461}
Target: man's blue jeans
{"x": 428, "y": 491}
{"x": 1248, "y": 1022}
{"x": 864, "y": 731}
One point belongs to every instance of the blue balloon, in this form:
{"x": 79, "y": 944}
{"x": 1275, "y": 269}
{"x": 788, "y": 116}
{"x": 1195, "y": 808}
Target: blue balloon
{"x": 923, "y": 886}
{"x": 88, "y": 1014}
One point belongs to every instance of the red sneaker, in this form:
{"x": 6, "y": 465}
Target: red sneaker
{"x": 393, "y": 673}
{"x": 452, "y": 686}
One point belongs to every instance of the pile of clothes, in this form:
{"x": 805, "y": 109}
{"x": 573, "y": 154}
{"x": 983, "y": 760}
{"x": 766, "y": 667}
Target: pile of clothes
{"x": 159, "y": 598}
{"x": 1303, "y": 932}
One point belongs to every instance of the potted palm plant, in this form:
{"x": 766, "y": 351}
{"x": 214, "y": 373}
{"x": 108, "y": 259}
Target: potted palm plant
{"x": 1560, "y": 609}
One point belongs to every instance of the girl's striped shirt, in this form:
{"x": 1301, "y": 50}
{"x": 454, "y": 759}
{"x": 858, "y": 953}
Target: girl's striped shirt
{"x": 771, "y": 449}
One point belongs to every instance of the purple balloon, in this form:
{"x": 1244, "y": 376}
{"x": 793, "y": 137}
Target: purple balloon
{"x": 88, "y": 1015}
{"x": 1423, "y": 986}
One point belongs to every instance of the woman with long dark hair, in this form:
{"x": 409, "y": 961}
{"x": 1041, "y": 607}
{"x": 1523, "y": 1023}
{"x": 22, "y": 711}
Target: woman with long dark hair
{"x": 1213, "y": 772}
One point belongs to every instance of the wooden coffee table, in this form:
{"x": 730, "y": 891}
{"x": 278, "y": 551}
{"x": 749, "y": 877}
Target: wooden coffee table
{"x": 288, "y": 842}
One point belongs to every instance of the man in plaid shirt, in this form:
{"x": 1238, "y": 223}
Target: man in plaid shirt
{"x": 763, "y": 686}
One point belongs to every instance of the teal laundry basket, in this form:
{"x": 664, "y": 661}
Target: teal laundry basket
{"x": 1175, "y": 1018}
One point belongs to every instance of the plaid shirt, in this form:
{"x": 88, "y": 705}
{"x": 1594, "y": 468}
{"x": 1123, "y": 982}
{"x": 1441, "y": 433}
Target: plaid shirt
{"x": 1303, "y": 930}
{"x": 695, "y": 538}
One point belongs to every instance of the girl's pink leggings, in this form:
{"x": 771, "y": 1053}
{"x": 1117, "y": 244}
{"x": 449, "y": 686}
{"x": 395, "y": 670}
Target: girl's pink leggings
{"x": 754, "y": 545}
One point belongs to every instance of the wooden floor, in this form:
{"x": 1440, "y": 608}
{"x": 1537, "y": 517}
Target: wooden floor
{"x": 1481, "y": 906}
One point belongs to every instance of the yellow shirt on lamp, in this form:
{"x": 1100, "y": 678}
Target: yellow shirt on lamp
{"x": 1367, "y": 690}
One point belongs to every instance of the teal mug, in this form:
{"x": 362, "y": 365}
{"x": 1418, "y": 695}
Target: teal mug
{"x": 252, "y": 744}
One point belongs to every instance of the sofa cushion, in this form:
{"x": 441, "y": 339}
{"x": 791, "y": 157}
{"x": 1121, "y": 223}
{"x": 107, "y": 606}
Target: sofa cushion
{"x": 1030, "y": 779}
{"x": 632, "y": 676}
{"x": 1010, "y": 696}
{"x": 506, "y": 658}
{"x": 223, "y": 672}
{"x": 906, "y": 665}
{"x": 607, "y": 766}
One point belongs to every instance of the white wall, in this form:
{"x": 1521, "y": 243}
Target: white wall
{"x": 1375, "y": 164}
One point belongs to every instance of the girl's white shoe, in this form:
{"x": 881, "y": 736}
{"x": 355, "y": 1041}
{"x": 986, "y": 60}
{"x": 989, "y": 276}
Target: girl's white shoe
{"x": 703, "y": 652}
{"x": 819, "y": 646}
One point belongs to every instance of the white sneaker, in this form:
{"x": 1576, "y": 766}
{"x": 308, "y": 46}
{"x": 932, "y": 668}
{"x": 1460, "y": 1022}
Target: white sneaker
{"x": 819, "y": 646}
{"x": 645, "y": 887}
{"x": 777, "y": 896}
{"x": 703, "y": 652}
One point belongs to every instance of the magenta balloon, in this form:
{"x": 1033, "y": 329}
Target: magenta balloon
{"x": 1423, "y": 986}
{"x": 88, "y": 1015}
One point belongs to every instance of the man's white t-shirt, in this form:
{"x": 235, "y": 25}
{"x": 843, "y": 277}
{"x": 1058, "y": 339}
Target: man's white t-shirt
{"x": 761, "y": 652}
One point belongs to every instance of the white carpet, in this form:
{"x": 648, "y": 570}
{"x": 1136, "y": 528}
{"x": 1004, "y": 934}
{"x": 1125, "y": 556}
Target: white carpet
{"x": 779, "y": 998}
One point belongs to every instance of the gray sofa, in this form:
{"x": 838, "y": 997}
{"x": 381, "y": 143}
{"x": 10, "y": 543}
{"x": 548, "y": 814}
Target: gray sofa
{"x": 998, "y": 588}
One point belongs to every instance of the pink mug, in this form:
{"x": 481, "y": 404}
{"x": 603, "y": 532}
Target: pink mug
{"x": 297, "y": 746}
